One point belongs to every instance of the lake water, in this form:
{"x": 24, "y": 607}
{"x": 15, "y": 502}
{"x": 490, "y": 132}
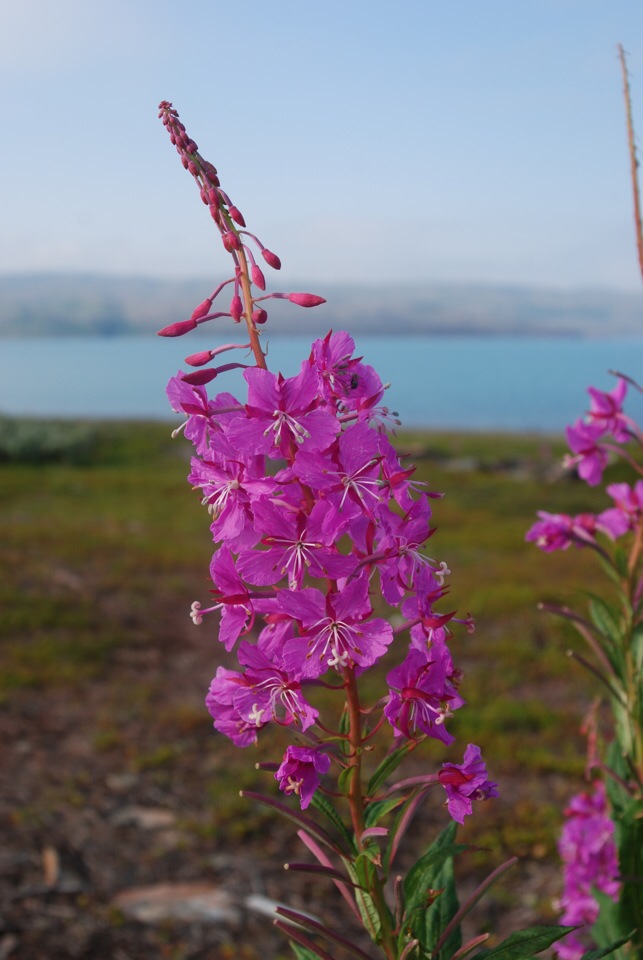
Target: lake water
{"x": 477, "y": 383}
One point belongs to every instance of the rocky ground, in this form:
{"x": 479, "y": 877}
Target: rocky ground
{"x": 121, "y": 833}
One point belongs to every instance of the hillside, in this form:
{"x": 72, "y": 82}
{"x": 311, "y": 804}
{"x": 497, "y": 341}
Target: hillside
{"x": 79, "y": 304}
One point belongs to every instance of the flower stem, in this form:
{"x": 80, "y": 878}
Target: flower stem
{"x": 248, "y": 302}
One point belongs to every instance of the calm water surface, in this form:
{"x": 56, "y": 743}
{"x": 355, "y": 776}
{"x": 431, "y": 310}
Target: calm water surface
{"x": 467, "y": 383}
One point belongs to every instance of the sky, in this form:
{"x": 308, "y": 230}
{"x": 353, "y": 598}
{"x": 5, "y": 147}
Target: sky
{"x": 421, "y": 141}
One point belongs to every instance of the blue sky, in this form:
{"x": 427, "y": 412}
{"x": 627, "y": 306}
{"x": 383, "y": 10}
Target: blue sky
{"x": 422, "y": 140}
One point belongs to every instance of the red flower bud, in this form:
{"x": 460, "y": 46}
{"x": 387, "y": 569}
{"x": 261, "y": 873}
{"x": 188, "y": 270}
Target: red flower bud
{"x": 231, "y": 241}
{"x": 214, "y": 213}
{"x": 202, "y": 310}
{"x": 236, "y": 215}
{"x": 191, "y": 146}
{"x": 198, "y": 359}
{"x": 199, "y": 377}
{"x": 259, "y": 315}
{"x": 213, "y": 196}
{"x": 271, "y": 258}
{"x": 177, "y": 329}
{"x": 257, "y": 277}
{"x": 305, "y": 299}
{"x": 236, "y": 308}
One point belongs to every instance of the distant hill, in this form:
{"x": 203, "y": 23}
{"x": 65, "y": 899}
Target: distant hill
{"x": 79, "y": 304}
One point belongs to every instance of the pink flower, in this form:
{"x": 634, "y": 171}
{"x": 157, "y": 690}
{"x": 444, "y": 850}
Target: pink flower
{"x": 420, "y": 695}
{"x": 606, "y": 411}
{"x": 282, "y": 415}
{"x": 590, "y": 862}
{"x": 591, "y": 458}
{"x": 300, "y": 771}
{"x": 335, "y": 631}
{"x": 465, "y": 782}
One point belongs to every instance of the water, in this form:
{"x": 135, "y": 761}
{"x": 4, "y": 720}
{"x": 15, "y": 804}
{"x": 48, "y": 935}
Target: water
{"x": 478, "y": 383}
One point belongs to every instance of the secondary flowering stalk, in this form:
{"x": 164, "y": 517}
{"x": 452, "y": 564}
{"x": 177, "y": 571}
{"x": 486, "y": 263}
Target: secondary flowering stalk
{"x": 318, "y": 531}
{"x": 613, "y": 631}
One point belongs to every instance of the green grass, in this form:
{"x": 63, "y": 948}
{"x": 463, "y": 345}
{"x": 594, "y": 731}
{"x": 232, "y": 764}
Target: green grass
{"x": 103, "y": 557}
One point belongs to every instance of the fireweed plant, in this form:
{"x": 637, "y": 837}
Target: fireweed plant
{"x": 601, "y": 845}
{"x": 317, "y": 524}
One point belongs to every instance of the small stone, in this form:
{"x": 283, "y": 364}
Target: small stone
{"x": 146, "y": 818}
{"x": 187, "y": 902}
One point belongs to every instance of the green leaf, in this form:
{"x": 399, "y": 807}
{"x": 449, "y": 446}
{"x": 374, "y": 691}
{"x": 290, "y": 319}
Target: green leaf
{"x": 303, "y": 953}
{"x": 621, "y": 560}
{"x": 428, "y": 922}
{"x": 378, "y": 810}
{"x": 422, "y": 875}
{"x": 525, "y": 943}
{"x": 344, "y": 722}
{"x": 605, "y": 619}
{"x": 362, "y": 873}
{"x": 344, "y": 780}
{"x": 607, "y": 931}
{"x": 390, "y": 762}
{"x": 605, "y": 951}
{"x": 320, "y": 802}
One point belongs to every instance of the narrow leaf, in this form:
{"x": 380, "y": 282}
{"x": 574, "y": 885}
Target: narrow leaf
{"x": 375, "y": 832}
{"x": 471, "y": 901}
{"x": 296, "y": 817}
{"x": 322, "y": 930}
{"x": 402, "y": 823}
{"x": 605, "y": 951}
{"x": 319, "y": 870}
{"x": 469, "y": 946}
{"x": 378, "y": 810}
{"x": 525, "y": 942}
{"x": 321, "y": 803}
{"x": 604, "y": 617}
{"x": 302, "y": 953}
{"x": 300, "y": 938}
{"x": 317, "y": 851}
{"x": 386, "y": 767}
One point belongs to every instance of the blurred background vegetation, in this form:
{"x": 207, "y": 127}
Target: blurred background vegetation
{"x": 103, "y": 549}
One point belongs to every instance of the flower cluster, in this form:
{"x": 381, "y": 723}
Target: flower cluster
{"x": 591, "y": 441}
{"x": 594, "y": 853}
{"x": 311, "y": 509}
{"x": 320, "y": 531}
{"x": 590, "y": 863}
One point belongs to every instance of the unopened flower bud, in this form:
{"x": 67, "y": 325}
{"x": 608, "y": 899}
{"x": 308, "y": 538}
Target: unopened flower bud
{"x": 202, "y": 310}
{"x": 177, "y": 329}
{"x": 236, "y": 215}
{"x": 271, "y": 258}
{"x": 231, "y": 241}
{"x": 259, "y": 315}
{"x": 209, "y": 168}
{"x": 213, "y": 196}
{"x": 192, "y": 168}
{"x": 191, "y": 146}
{"x": 198, "y": 359}
{"x": 305, "y": 299}
{"x": 184, "y": 162}
{"x": 257, "y": 277}
{"x": 199, "y": 377}
{"x": 236, "y": 308}
{"x": 214, "y": 213}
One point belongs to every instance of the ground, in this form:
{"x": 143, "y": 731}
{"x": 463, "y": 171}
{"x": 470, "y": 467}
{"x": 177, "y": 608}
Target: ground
{"x": 114, "y": 783}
